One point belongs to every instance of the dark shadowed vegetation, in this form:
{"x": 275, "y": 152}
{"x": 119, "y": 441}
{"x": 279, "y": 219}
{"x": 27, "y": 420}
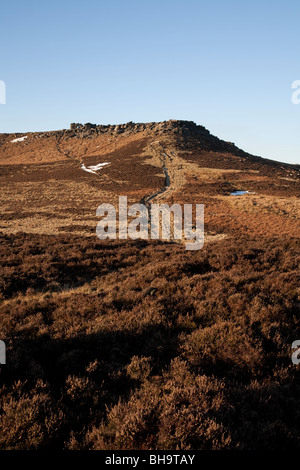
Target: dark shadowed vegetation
{"x": 141, "y": 345}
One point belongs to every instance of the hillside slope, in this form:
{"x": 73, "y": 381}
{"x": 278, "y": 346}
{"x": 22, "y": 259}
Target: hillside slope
{"x": 48, "y": 187}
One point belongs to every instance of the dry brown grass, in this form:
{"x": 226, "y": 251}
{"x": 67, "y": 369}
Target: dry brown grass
{"x": 96, "y": 360}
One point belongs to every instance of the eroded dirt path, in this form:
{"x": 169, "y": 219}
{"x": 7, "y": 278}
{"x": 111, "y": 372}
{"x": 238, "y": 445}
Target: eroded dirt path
{"x": 173, "y": 168}
{"x": 178, "y": 172}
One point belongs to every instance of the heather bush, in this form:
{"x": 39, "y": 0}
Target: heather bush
{"x": 114, "y": 345}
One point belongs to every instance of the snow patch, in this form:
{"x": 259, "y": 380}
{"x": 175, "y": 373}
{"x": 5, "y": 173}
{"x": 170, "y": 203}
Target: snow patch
{"x": 19, "y": 139}
{"x": 238, "y": 193}
{"x": 94, "y": 168}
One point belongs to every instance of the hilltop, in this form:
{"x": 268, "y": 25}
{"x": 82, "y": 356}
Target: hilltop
{"x": 53, "y": 181}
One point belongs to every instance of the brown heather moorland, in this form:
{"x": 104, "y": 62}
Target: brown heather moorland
{"x": 141, "y": 344}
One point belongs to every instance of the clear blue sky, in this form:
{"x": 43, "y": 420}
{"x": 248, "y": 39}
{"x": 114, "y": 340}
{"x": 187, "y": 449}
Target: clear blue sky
{"x": 226, "y": 64}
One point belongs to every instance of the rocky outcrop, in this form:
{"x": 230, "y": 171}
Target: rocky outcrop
{"x": 182, "y": 130}
{"x": 187, "y": 135}
{"x": 171, "y": 126}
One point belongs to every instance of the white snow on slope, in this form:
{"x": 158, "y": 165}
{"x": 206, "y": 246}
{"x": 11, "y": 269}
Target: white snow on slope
{"x": 19, "y": 139}
{"x": 238, "y": 193}
{"x": 94, "y": 168}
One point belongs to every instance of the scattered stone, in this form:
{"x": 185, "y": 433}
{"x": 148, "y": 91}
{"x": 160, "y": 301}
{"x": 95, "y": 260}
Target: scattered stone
{"x": 150, "y": 291}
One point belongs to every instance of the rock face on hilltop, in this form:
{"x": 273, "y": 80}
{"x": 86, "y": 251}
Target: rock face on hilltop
{"x": 186, "y": 134}
{"x": 172, "y": 126}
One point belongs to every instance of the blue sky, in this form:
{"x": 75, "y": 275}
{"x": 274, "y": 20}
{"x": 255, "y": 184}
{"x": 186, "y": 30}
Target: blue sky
{"x": 226, "y": 64}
